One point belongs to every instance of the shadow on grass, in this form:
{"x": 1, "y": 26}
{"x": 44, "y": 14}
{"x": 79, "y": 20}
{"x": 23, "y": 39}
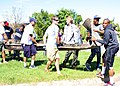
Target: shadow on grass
{"x": 78, "y": 67}
{"x": 39, "y": 62}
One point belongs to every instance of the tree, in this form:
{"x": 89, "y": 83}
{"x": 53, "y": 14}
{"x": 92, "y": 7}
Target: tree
{"x": 43, "y": 22}
{"x": 44, "y": 19}
{"x": 63, "y": 13}
{"x": 15, "y": 17}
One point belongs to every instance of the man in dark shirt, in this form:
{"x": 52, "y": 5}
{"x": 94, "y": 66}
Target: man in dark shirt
{"x": 9, "y": 32}
{"x": 111, "y": 45}
{"x": 17, "y": 38}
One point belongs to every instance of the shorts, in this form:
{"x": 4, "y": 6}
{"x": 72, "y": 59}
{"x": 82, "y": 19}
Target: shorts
{"x": 29, "y": 50}
{"x": 52, "y": 53}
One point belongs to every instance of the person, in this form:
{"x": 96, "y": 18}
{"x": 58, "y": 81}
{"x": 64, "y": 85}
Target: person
{"x": 9, "y": 33}
{"x": 71, "y": 36}
{"x": 51, "y": 46}
{"x": 111, "y": 48}
{"x": 3, "y": 39}
{"x": 96, "y": 29}
{"x": 17, "y": 39}
{"x": 27, "y": 41}
{"x": 60, "y": 34}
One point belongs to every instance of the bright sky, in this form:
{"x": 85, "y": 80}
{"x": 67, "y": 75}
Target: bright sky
{"x": 86, "y": 8}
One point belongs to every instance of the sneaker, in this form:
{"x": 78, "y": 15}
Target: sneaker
{"x": 5, "y": 62}
{"x": 100, "y": 75}
{"x": 58, "y": 73}
{"x": 109, "y": 84}
{"x": 25, "y": 66}
{"x": 32, "y": 66}
{"x": 98, "y": 69}
{"x": 88, "y": 66}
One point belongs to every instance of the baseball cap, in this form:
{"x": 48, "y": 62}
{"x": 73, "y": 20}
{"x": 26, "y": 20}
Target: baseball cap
{"x": 6, "y": 23}
{"x": 97, "y": 17}
{"x": 32, "y": 19}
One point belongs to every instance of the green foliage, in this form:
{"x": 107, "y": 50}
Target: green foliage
{"x": 43, "y": 21}
{"x": 63, "y": 13}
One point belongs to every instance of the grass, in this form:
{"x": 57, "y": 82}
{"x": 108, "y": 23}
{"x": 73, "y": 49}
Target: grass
{"x": 14, "y": 72}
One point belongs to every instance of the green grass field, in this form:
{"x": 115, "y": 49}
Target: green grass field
{"x": 13, "y": 72}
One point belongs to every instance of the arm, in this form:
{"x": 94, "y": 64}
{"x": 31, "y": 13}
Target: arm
{"x": 99, "y": 31}
{"x": 44, "y": 37}
{"x": 32, "y": 38}
{"x": 5, "y": 37}
{"x": 106, "y": 38}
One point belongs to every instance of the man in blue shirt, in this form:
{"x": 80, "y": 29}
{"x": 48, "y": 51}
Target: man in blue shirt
{"x": 9, "y": 33}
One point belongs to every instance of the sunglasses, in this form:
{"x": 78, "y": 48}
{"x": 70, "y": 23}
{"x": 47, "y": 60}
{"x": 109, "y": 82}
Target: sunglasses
{"x": 56, "y": 19}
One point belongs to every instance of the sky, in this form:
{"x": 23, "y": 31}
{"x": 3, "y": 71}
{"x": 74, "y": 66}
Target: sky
{"x": 86, "y": 8}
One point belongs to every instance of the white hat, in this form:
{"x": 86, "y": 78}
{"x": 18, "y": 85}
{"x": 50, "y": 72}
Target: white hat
{"x": 97, "y": 17}
{"x": 1, "y": 19}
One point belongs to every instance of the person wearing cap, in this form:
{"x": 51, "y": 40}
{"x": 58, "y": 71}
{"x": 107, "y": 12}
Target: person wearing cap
{"x": 96, "y": 30}
{"x": 111, "y": 45}
{"x": 28, "y": 41}
{"x": 9, "y": 33}
{"x": 51, "y": 35}
{"x": 71, "y": 36}
{"x": 3, "y": 39}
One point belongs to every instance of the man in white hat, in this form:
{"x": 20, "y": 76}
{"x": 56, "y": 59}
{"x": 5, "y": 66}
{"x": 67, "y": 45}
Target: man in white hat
{"x": 96, "y": 30}
{"x": 3, "y": 38}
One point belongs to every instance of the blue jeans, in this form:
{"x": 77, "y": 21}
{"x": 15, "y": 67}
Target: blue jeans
{"x": 95, "y": 51}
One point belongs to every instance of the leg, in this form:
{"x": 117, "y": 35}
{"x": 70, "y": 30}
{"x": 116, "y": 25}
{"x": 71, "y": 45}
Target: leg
{"x": 88, "y": 62}
{"x": 3, "y": 56}
{"x": 25, "y": 59}
{"x": 103, "y": 64}
{"x": 26, "y": 54}
{"x": 33, "y": 54}
{"x": 68, "y": 54}
{"x": 57, "y": 65}
{"x": 98, "y": 57}
{"x": 47, "y": 65}
{"x": 102, "y": 73}
{"x": 113, "y": 51}
{"x": 32, "y": 60}
{"x": 75, "y": 57}
{"x": 93, "y": 52}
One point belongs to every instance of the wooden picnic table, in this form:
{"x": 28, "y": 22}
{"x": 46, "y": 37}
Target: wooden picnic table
{"x": 41, "y": 47}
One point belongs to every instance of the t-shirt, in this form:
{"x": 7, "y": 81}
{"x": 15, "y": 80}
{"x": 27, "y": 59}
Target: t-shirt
{"x": 97, "y": 34}
{"x": 8, "y": 31}
{"x": 71, "y": 35}
{"x": 52, "y": 33}
{"x": 18, "y": 34}
{"x": 26, "y": 35}
{"x": 2, "y": 31}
